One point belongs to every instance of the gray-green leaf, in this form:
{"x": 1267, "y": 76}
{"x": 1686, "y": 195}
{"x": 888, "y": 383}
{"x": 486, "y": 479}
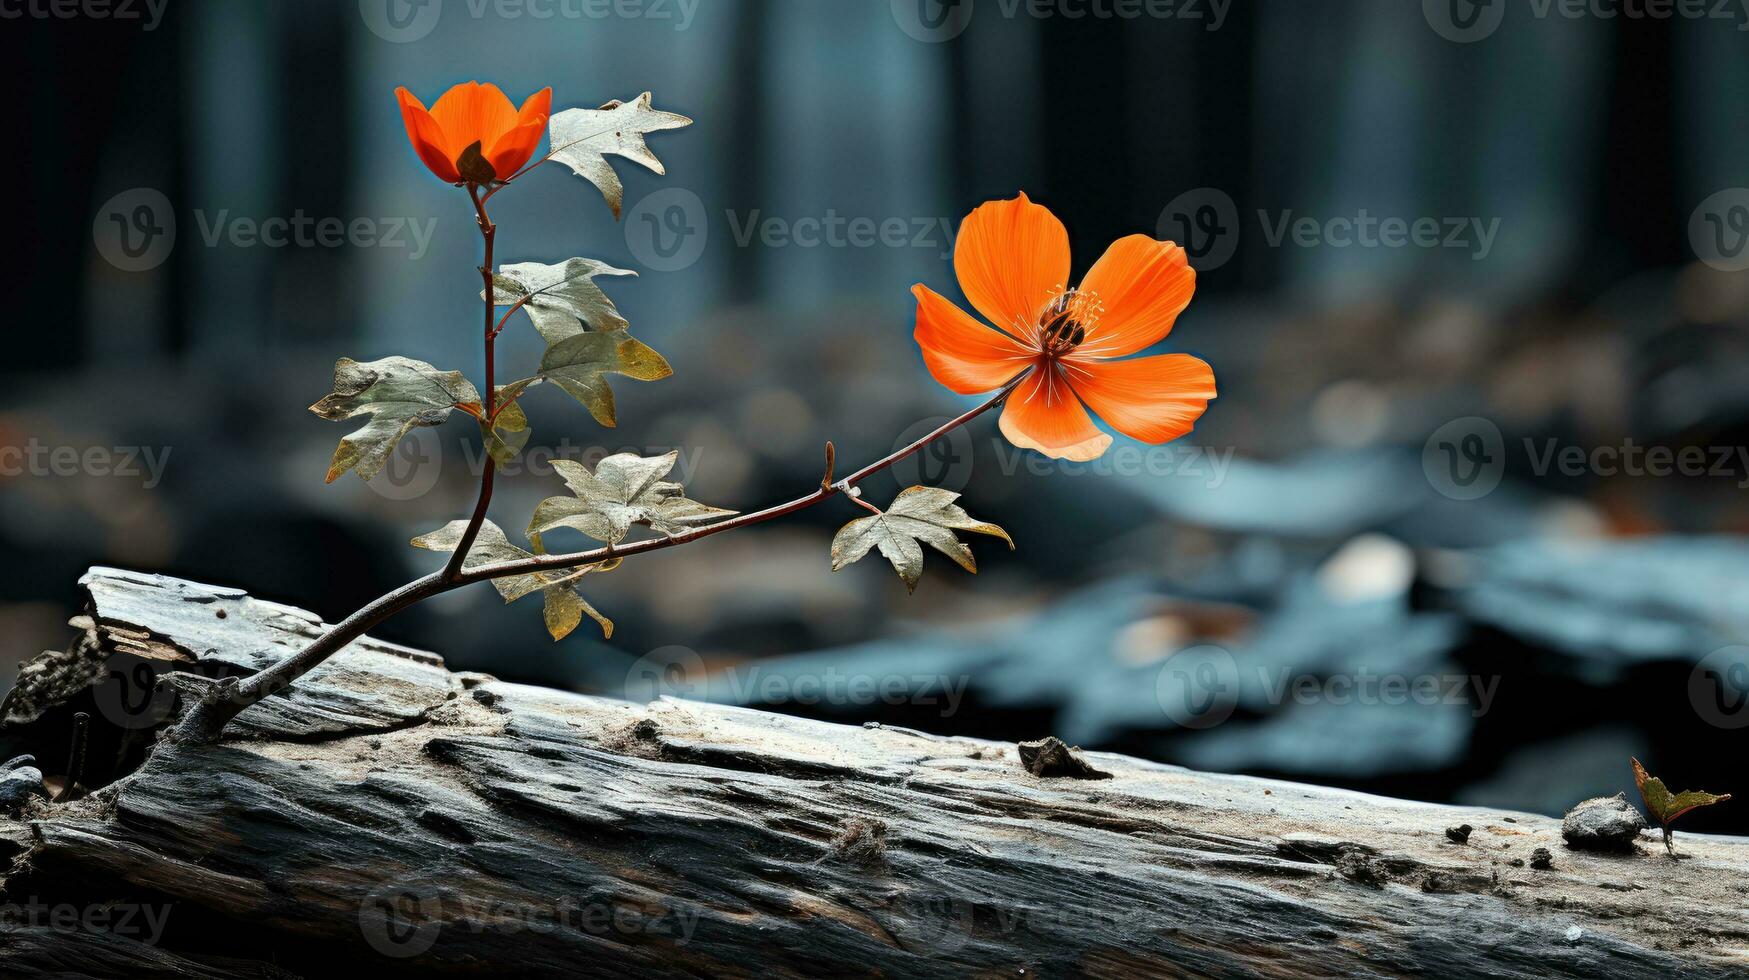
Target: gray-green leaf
{"x": 565, "y": 607}
{"x": 399, "y": 394}
{"x": 507, "y": 434}
{"x": 624, "y": 490}
{"x": 562, "y": 299}
{"x": 580, "y": 364}
{"x": 581, "y": 138}
{"x": 920, "y": 514}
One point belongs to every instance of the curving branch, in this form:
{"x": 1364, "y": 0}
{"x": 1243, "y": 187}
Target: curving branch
{"x": 206, "y": 719}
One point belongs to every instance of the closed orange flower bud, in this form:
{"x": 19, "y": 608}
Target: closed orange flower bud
{"x": 473, "y": 134}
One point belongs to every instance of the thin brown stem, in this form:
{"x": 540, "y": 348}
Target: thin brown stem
{"x": 489, "y": 411}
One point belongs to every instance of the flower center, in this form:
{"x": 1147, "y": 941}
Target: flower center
{"x": 1064, "y": 322}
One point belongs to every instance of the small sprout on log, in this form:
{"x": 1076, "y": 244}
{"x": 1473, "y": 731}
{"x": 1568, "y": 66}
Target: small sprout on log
{"x": 1665, "y": 806}
{"x": 1049, "y": 757}
{"x": 1459, "y": 834}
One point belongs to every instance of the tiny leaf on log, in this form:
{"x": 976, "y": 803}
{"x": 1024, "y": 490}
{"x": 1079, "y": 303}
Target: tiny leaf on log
{"x": 581, "y": 138}
{"x": 1664, "y": 805}
{"x": 920, "y": 514}
{"x": 624, "y": 490}
{"x": 399, "y": 394}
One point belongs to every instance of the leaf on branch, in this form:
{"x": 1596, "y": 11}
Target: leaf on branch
{"x": 565, "y": 606}
{"x": 1664, "y": 805}
{"x": 580, "y": 364}
{"x": 624, "y": 490}
{"x": 562, "y": 300}
{"x": 399, "y": 394}
{"x": 918, "y": 516}
{"x": 507, "y": 434}
{"x": 581, "y": 138}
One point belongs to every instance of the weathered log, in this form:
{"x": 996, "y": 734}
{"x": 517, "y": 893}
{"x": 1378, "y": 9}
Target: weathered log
{"x": 391, "y": 816}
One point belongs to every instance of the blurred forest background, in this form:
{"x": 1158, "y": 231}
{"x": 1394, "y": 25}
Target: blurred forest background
{"x": 1224, "y": 603}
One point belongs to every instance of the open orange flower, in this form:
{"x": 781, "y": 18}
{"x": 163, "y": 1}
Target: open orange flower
{"x": 1012, "y": 260}
{"x": 479, "y": 118}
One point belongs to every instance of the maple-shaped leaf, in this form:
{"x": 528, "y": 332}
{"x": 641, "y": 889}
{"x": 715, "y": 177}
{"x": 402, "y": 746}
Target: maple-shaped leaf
{"x": 624, "y": 490}
{"x": 581, "y": 139}
{"x": 562, "y": 299}
{"x": 1665, "y": 806}
{"x": 565, "y": 607}
{"x": 580, "y": 364}
{"x": 399, "y": 394}
{"x": 920, "y": 514}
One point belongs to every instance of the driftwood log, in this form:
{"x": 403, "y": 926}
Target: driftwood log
{"x": 387, "y": 816}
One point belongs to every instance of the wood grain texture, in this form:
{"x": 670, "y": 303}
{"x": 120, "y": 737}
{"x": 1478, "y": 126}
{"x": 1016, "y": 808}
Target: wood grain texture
{"x": 391, "y": 816}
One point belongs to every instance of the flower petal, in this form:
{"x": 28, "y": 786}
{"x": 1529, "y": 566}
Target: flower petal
{"x": 1153, "y": 399}
{"x": 427, "y": 137}
{"x": 515, "y": 147}
{"x": 1012, "y": 257}
{"x": 473, "y": 113}
{"x": 962, "y": 353}
{"x": 1141, "y": 285}
{"x": 1044, "y": 414}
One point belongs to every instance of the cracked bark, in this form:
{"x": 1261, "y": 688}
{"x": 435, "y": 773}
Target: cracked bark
{"x": 390, "y": 813}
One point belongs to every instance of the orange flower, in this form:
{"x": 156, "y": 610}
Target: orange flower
{"x": 1012, "y": 260}
{"x": 477, "y": 118}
